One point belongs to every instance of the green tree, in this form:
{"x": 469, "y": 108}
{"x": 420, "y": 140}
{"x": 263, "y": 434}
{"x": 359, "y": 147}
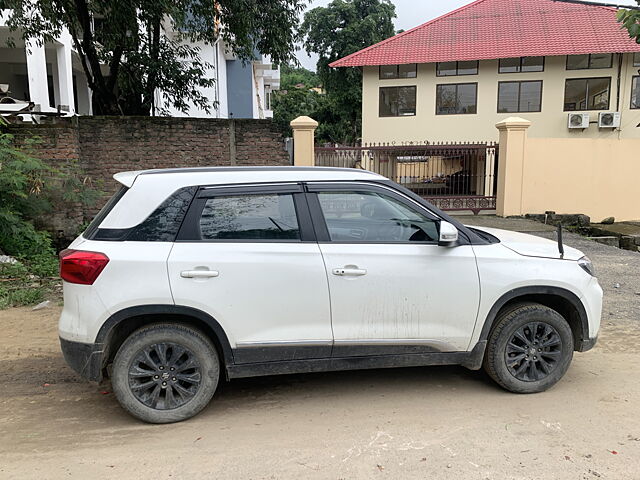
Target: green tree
{"x": 127, "y": 58}
{"x": 292, "y": 76}
{"x": 293, "y": 100}
{"x": 293, "y": 103}
{"x": 630, "y": 19}
{"x": 333, "y": 32}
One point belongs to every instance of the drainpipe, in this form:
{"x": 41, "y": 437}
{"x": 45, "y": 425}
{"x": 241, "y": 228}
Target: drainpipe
{"x": 620, "y": 58}
{"x": 620, "y": 55}
{"x": 217, "y": 76}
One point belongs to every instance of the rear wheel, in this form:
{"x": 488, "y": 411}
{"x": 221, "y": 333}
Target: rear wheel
{"x": 165, "y": 373}
{"x": 530, "y": 349}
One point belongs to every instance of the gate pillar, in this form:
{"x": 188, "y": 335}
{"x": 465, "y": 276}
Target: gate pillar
{"x": 511, "y": 161}
{"x": 304, "y": 129}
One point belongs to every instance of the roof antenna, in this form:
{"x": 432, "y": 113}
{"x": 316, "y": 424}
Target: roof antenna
{"x": 560, "y": 245}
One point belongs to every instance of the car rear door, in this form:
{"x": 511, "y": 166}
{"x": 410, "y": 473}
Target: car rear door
{"x": 393, "y": 289}
{"x": 247, "y": 256}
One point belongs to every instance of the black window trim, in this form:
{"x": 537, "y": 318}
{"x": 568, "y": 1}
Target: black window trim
{"x": 458, "y": 69}
{"x": 322, "y": 231}
{"x": 587, "y": 109}
{"x": 589, "y": 67}
{"x": 254, "y": 189}
{"x": 456, "y": 85}
{"x": 397, "y": 77}
{"x": 415, "y": 87}
{"x": 635, "y": 78}
{"x": 520, "y": 66}
{"x": 190, "y": 233}
{"x": 520, "y": 82}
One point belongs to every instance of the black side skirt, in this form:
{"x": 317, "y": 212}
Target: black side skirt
{"x": 471, "y": 360}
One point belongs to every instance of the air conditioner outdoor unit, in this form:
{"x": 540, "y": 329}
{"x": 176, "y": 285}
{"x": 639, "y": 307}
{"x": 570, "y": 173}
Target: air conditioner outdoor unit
{"x": 609, "y": 120}
{"x": 578, "y": 120}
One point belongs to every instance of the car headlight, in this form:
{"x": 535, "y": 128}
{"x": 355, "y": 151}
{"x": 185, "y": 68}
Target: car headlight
{"x": 587, "y": 266}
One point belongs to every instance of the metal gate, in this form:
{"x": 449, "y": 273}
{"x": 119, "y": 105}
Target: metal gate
{"x": 452, "y": 176}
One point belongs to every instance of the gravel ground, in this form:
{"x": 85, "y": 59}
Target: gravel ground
{"x": 439, "y": 422}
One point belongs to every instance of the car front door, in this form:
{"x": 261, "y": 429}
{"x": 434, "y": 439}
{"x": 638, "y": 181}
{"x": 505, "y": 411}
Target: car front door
{"x": 393, "y": 290}
{"x": 247, "y": 256}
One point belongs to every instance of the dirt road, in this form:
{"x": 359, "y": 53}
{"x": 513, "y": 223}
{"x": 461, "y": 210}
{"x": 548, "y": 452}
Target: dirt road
{"x": 437, "y": 423}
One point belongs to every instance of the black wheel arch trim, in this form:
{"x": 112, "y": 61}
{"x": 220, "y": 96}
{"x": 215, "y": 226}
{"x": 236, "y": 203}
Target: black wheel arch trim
{"x": 107, "y": 328}
{"x": 516, "y": 293}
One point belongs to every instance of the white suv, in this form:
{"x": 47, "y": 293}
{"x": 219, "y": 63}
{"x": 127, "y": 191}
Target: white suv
{"x": 189, "y": 275}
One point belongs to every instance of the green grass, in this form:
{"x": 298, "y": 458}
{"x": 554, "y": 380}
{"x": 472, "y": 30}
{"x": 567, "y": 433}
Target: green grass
{"x": 25, "y": 285}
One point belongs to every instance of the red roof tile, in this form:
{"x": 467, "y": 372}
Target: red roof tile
{"x": 489, "y": 29}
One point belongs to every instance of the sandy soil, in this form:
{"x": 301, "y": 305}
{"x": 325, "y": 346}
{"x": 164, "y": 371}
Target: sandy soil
{"x": 445, "y": 423}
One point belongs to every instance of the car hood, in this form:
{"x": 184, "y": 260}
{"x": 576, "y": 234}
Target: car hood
{"x": 530, "y": 245}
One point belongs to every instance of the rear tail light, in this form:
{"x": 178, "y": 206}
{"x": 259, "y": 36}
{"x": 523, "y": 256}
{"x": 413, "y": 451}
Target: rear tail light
{"x": 81, "y": 267}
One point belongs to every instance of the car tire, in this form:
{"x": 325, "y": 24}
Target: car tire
{"x": 165, "y": 373}
{"x": 530, "y": 348}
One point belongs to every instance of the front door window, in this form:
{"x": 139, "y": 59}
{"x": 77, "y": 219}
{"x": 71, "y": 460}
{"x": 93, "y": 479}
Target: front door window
{"x": 373, "y": 217}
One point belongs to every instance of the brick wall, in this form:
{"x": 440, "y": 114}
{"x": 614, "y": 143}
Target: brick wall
{"x": 102, "y": 146}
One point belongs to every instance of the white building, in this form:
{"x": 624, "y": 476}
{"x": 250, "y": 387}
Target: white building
{"x": 51, "y": 76}
{"x": 241, "y": 90}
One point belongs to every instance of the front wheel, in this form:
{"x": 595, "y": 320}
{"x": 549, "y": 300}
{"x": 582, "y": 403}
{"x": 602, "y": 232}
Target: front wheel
{"x": 165, "y": 373}
{"x": 530, "y": 349}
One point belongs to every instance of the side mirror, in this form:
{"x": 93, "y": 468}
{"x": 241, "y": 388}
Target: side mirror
{"x": 448, "y": 235}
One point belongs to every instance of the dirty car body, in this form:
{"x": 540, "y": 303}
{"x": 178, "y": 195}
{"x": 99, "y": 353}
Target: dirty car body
{"x": 280, "y": 270}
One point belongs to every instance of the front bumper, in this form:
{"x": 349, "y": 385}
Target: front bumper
{"x": 84, "y": 358}
{"x": 587, "y": 344}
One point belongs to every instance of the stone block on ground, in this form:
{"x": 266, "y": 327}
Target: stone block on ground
{"x": 611, "y": 241}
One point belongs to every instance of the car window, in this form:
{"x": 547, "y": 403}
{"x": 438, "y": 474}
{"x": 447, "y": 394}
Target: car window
{"x": 374, "y": 217}
{"x": 249, "y": 217}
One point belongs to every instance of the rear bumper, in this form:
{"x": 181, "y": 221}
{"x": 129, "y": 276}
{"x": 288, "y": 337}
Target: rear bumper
{"x": 588, "y": 344}
{"x": 84, "y": 358}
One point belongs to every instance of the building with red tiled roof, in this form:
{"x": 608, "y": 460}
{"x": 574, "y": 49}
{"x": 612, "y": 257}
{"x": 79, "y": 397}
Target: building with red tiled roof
{"x": 455, "y": 77}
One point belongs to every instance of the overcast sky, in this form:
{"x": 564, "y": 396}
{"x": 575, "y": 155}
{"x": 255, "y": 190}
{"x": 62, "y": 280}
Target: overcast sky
{"x": 411, "y": 13}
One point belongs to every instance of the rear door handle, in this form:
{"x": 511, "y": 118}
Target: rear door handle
{"x": 199, "y": 273}
{"x": 349, "y": 272}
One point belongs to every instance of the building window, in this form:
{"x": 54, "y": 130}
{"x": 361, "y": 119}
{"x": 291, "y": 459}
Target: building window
{"x": 522, "y": 64}
{"x": 267, "y": 97}
{"x": 451, "y": 69}
{"x": 587, "y": 94}
{"x": 593, "y": 60}
{"x": 397, "y": 101}
{"x": 398, "y": 71}
{"x": 636, "y": 59}
{"x": 456, "y": 99}
{"x": 519, "y": 96}
{"x": 635, "y": 92}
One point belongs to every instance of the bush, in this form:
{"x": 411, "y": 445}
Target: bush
{"x": 26, "y": 186}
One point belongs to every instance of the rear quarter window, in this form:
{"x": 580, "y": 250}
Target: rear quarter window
{"x": 104, "y": 211}
{"x": 161, "y": 225}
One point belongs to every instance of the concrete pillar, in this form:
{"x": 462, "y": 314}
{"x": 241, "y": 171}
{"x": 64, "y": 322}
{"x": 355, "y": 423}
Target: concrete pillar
{"x": 65, "y": 77}
{"x": 513, "y": 143}
{"x": 303, "y": 141}
{"x": 37, "y": 74}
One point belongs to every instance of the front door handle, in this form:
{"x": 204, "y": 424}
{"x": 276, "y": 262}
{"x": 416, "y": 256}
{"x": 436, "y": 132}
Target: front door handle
{"x": 199, "y": 273}
{"x": 349, "y": 272}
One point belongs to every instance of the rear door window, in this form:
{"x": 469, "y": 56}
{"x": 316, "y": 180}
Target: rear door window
{"x": 249, "y": 217}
